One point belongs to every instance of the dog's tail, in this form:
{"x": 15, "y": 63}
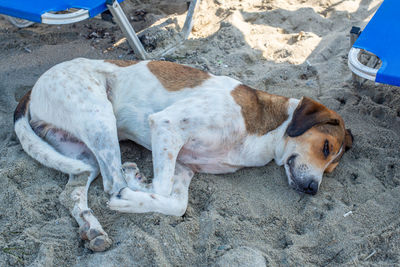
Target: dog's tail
{"x": 38, "y": 148}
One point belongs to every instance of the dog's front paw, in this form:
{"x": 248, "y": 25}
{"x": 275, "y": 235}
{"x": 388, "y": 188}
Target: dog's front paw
{"x": 130, "y": 201}
{"x": 119, "y": 201}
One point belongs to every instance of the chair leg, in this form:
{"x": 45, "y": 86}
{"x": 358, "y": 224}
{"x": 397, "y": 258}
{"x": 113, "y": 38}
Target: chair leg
{"x": 187, "y": 27}
{"x": 126, "y": 28}
{"x": 354, "y": 33}
{"x": 20, "y": 23}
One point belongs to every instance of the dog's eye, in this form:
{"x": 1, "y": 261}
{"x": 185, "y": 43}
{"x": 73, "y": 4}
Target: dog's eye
{"x": 326, "y": 148}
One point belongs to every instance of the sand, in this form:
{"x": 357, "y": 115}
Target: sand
{"x": 249, "y": 218}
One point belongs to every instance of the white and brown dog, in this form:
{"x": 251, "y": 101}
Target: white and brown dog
{"x": 192, "y": 121}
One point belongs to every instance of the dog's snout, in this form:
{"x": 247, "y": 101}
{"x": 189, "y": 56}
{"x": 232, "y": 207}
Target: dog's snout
{"x": 311, "y": 188}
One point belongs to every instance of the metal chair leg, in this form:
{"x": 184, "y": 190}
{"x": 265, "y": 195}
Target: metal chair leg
{"x": 354, "y": 33}
{"x": 187, "y": 27}
{"x": 126, "y": 28}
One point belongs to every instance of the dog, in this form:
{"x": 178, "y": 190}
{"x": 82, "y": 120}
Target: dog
{"x": 77, "y": 112}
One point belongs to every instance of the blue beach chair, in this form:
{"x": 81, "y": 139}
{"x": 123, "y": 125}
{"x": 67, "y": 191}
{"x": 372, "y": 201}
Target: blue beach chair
{"x": 380, "y": 37}
{"x": 44, "y": 11}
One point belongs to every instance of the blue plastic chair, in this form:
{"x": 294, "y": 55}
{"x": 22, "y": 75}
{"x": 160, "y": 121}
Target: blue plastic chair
{"x": 43, "y": 11}
{"x": 39, "y": 10}
{"x": 380, "y": 37}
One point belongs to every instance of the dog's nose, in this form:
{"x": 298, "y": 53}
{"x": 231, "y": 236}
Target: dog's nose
{"x": 312, "y": 188}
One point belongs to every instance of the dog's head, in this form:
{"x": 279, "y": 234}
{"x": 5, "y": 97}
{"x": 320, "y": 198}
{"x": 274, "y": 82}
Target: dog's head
{"x": 315, "y": 140}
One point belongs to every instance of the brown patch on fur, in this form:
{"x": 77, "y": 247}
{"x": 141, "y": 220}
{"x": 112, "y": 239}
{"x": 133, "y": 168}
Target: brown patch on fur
{"x": 347, "y": 144}
{"x": 122, "y": 63}
{"x": 262, "y": 112}
{"x": 331, "y": 167}
{"x": 175, "y": 77}
{"x": 170, "y": 156}
{"x": 22, "y": 107}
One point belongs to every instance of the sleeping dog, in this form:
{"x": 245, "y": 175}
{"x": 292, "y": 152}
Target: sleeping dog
{"x": 191, "y": 120}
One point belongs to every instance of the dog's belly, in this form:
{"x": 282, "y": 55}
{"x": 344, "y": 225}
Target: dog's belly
{"x": 212, "y": 168}
{"x": 207, "y": 161}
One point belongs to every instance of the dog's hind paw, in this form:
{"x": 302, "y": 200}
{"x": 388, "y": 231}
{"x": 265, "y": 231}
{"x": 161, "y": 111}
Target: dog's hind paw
{"x": 100, "y": 243}
{"x": 92, "y": 231}
{"x": 133, "y": 177}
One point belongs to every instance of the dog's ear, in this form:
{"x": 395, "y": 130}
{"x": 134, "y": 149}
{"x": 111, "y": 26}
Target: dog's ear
{"x": 308, "y": 114}
{"x": 331, "y": 167}
{"x": 348, "y": 140}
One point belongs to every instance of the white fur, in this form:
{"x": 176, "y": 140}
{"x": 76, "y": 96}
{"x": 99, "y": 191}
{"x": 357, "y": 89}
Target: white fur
{"x": 46, "y": 154}
{"x": 200, "y": 127}
{"x": 100, "y": 103}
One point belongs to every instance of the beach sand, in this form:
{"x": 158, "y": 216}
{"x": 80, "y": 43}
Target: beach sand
{"x": 293, "y": 48}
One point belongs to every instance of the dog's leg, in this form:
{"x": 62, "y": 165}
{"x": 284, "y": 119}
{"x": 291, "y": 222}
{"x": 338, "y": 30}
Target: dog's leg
{"x": 87, "y": 114}
{"x": 169, "y": 191}
{"x": 102, "y": 140}
{"x": 140, "y": 202}
{"x": 166, "y": 142}
{"x": 74, "y": 197}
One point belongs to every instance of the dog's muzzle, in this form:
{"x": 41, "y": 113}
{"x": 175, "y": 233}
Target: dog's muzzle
{"x": 306, "y": 184}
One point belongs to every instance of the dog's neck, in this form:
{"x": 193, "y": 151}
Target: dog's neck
{"x": 258, "y": 150}
{"x": 279, "y": 135}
